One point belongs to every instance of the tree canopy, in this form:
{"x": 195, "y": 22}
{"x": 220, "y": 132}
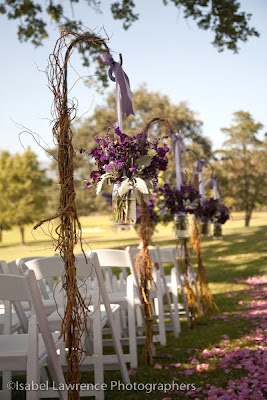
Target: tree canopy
{"x": 244, "y": 164}
{"x": 225, "y": 18}
{"x": 23, "y": 189}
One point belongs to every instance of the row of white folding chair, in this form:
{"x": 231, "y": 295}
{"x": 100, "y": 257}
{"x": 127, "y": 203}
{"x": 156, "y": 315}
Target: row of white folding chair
{"x": 28, "y": 351}
{"x": 116, "y": 258}
{"x": 168, "y": 285}
{"x": 53, "y": 267}
{"x": 55, "y": 321}
{"x": 175, "y": 281}
{"x": 110, "y": 259}
{"x": 121, "y": 258}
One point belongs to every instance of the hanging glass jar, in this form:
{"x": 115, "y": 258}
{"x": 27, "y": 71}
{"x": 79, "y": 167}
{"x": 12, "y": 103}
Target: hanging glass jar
{"x": 205, "y": 227}
{"x": 123, "y": 207}
{"x": 217, "y": 231}
{"x": 181, "y": 225}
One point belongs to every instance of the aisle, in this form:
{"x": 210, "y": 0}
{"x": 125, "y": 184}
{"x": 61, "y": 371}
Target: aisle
{"x": 242, "y": 360}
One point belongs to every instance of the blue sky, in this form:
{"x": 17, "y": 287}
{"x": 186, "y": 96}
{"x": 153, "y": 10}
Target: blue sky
{"x": 162, "y": 49}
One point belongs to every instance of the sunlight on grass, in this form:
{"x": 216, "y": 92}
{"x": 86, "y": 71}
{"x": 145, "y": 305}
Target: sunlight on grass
{"x": 241, "y": 254}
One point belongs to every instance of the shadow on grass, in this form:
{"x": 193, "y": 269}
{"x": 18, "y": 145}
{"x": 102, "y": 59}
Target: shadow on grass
{"x": 237, "y": 256}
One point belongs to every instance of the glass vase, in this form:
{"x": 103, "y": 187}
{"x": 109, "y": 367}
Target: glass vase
{"x": 205, "y": 228}
{"x": 123, "y": 207}
{"x": 217, "y": 231}
{"x": 181, "y": 226}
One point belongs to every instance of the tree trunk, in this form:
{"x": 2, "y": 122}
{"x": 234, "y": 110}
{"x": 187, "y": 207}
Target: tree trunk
{"x": 21, "y": 228}
{"x": 1, "y": 235}
{"x": 247, "y": 218}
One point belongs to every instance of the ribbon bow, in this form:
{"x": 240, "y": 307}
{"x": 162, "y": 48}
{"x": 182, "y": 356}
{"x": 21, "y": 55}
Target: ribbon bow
{"x": 123, "y": 90}
{"x": 178, "y": 148}
{"x": 199, "y": 166}
{"x": 216, "y": 188}
{"x": 198, "y": 169}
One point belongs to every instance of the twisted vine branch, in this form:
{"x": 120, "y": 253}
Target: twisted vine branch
{"x": 69, "y": 231}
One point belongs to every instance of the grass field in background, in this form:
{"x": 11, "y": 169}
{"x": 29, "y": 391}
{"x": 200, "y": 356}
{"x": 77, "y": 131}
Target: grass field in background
{"x": 98, "y": 232}
{"x": 242, "y": 253}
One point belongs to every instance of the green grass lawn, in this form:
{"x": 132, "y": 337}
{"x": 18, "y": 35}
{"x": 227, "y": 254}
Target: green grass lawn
{"x": 242, "y": 253}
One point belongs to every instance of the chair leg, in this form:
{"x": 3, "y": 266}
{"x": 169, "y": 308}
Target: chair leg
{"x": 174, "y": 286}
{"x": 98, "y": 343}
{"x": 168, "y": 297}
{"x": 6, "y": 393}
{"x": 162, "y": 328}
{"x": 131, "y": 323}
{"x": 185, "y": 304}
{"x": 115, "y": 332}
{"x": 123, "y": 322}
{"x": 139, "y": 320}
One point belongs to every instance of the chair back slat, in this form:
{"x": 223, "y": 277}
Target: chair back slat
{"x": 14, "y": 288}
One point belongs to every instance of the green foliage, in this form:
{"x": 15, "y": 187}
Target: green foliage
{"x": 23, "y": 189}
{"x": 4, "y": 216}
{"x": 243, "y": 164}
{"x": 223, "y": 17}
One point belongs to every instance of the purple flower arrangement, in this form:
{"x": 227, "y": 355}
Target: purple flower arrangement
{"x": 120, "y": 157}
{"x": 131, "y": 164}
{"x": 222, "y": 214}
{"x": 207, "y": 210}
{"x": 174, "y": 204}
{"x": 212, "y": 211}
{"x": 172, "y": 201}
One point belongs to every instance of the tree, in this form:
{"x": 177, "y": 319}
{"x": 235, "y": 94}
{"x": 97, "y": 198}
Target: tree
{"x": 243, "y": 164}
{"x": 24, "y": 189}
{"x": 4, "y": 215}
{"x": 147, "y": 105}
{"x": 223, "y": 17}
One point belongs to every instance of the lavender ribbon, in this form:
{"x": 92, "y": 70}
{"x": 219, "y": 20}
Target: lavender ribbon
{"x": 123, "y": 90}
{"x": 216, "y": 189}
{"x": 178, "y": 148}
{"x": 198, "y": 169}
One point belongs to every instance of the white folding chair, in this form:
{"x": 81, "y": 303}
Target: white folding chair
{"x": 29, "y": 352}
{"x": 46, "y": 286}
{"x": 19, "y": 316}
{"x": 53, "y": 267}
{"x": 174, "y": 281}
{"x": 124, "y": 291}
{"x": 156, "y": 294}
